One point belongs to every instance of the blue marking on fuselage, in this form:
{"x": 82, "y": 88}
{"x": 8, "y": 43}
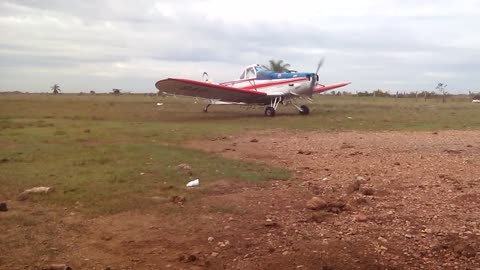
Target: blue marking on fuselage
{"x": 270, "y": 75}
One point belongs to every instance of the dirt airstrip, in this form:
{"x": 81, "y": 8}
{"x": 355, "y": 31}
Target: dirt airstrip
{"x": 356, "y": 200}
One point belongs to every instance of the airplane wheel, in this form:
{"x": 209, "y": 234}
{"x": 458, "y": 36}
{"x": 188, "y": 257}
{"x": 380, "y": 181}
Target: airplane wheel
{"x": 269, "y": 111}
{"x": 305, "y": 110}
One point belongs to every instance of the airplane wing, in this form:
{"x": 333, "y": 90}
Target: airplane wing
{"x": 323, "y": 88}
{"x": 191, "y": 88}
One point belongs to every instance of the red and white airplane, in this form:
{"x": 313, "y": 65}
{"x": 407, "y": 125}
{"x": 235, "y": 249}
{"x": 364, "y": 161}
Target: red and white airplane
{"x": 256, "y": 86}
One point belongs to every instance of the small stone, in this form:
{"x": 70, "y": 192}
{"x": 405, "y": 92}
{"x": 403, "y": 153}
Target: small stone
{"x": 226, "y": 228}
{"x": 360, "y": 178}
{"x": 191, "y": 258}
{"x": 187, "y": 259}
{"x": 184, "y": 166}
{"x": 368, "y": 191}
{"x": 346, "y": 146}
{"x": 231, "y": 219}
{"x": 3, "y": 207}
{"x": 106, "y": 237}
{"x": 361, "y": 201}
{"x": 361, "y": 218}
{"x": 316, "y": 203}
{"x": 428, "y": 231}
{"x": 409, "y": 236}
{"x": 382, "y": 239}
{"x": 254, "y": 140}
{"x": 214, "y": 254}
{"x": 178, "y": 199}
{"x": 210, "y": 239}
{"x": 285, "y": 253}
{"x": 396, "y": 163}
{"x": 270, "y": 223}
{"x": 354, "y": 186}
{"x": 464, "y": 249}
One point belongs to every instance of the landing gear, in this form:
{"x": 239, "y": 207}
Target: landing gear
{"x": 304, "y": 110}
{"x": 205, "y": 110}
{"x": 269, "y": 111}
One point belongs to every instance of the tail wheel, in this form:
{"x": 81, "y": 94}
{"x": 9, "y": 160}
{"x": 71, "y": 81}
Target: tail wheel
{"x": 269, "y": 111}
{"x": 304, "y": 110}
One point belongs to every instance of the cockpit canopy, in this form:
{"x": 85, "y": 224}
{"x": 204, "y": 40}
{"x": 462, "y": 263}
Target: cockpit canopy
{"x": 258, "y": 72}
{"x": 251, "y": 71}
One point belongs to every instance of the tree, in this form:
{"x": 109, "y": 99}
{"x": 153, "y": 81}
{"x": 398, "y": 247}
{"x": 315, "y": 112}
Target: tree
{"x": 277, "y": 66}
{"x": 441, "y": 88}
{"x": 56, "y": 89}
{"x": 116, "y": 91}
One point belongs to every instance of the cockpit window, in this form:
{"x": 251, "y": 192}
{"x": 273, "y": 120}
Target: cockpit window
{"x": 250, "y": 73}
{"x": 242, "y": 76}
{"x": 260, "y": 68}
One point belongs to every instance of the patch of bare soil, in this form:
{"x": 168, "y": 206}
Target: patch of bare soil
{"x": 358, "y": 200}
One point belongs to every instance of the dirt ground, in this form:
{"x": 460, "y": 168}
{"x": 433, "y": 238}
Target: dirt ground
{"x": 357, "y": 200}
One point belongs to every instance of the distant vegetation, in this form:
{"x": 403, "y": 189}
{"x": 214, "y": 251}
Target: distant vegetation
{"x": 425, "y": 95}
{"x": 277, "y": 66}
{"x": 56, "y": 89}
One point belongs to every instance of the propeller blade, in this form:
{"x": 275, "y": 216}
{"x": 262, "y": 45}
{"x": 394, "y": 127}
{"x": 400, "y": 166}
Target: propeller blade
{"x": 314, "y": 79}
{"x": 320, "y": 64}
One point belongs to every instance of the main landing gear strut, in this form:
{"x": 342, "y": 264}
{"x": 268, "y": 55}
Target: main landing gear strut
{"x": 206, "y": 108}
{"x": 272, "y": 108}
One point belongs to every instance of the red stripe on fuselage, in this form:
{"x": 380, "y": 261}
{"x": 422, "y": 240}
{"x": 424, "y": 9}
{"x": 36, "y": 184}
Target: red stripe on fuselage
{"x": 272, "y": 83}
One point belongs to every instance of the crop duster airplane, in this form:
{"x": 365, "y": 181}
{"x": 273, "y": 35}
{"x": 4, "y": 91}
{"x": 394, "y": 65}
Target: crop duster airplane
{"x": 257, "y": 86}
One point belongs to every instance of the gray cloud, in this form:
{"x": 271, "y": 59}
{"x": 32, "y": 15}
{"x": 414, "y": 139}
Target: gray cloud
{"x": 100, "y": 45}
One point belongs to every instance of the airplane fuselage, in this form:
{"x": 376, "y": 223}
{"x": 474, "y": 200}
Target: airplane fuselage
{"x": 274, "y": 83}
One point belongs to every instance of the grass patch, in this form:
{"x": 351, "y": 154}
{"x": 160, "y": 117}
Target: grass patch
{"x": 112, "y": 168}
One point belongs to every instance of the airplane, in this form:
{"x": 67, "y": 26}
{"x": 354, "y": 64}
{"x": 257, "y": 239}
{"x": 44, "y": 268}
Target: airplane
{"x": 257, "y": 86}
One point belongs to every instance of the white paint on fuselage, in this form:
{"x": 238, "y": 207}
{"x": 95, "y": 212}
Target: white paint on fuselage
{"x": 295, "y": 88}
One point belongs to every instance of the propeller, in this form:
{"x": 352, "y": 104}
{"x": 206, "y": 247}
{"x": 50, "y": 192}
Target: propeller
{"x": 314, "y": 81}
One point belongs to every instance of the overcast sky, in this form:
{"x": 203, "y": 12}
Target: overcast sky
{"x": 102, "y": 44}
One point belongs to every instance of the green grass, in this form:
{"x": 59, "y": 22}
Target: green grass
{"x": 93, "y": 149}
